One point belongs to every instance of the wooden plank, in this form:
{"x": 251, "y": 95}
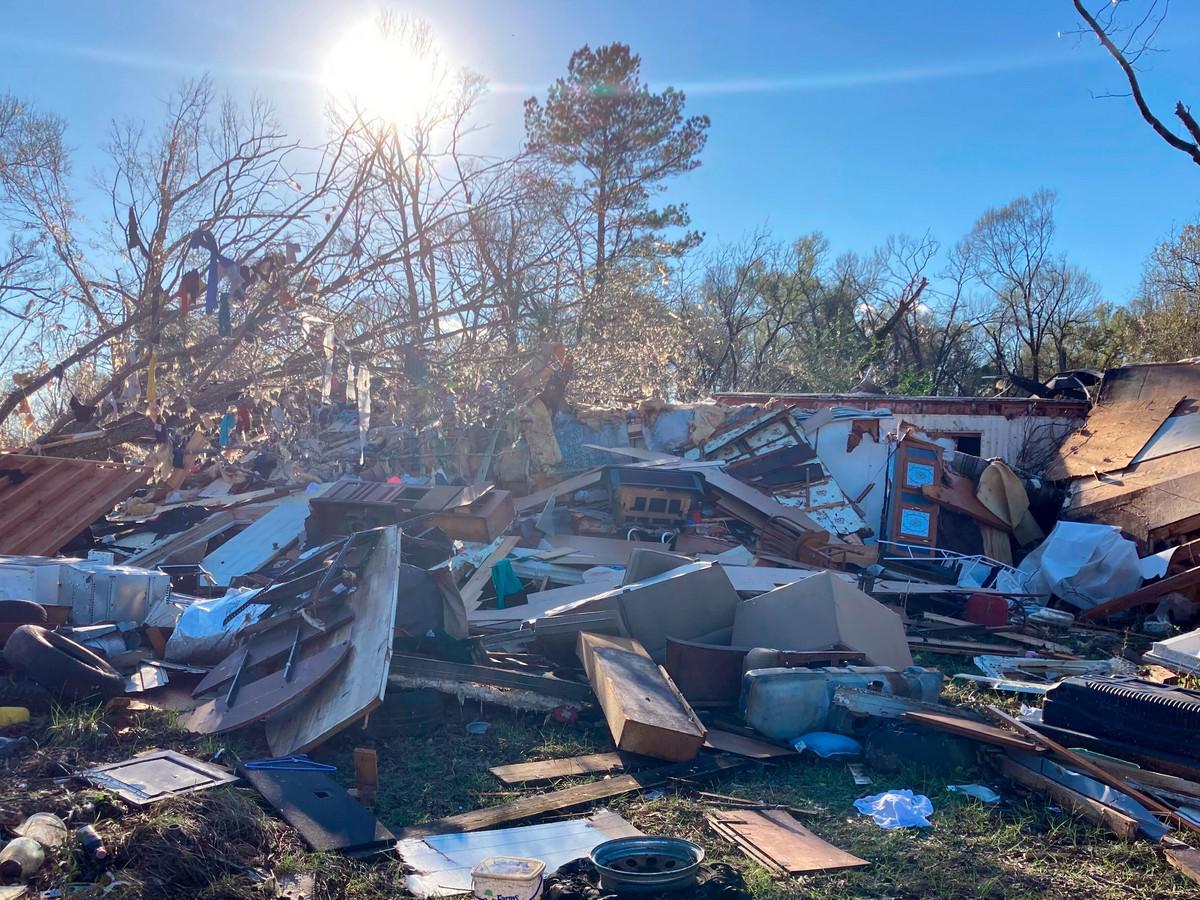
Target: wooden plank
{"x": 366, "y": 774}
{"x": 549, "y": 685}
{"x": 645, "y": 712}
{"x": 728, "y": 742}
{"x": 778, "y": 837}
{"x": 1148, "y": 594}
{"x": 358, "y": 687}
{"x": 473, "y": 589}
{"x": 597, "y": 551}
{"x": 579, "y": 795}
{"x": 566, "y": 486}
{"x": 552, "y": 769}
{"x": 1085, "y": 765}
{"x": 976, "y": 731}
{"x": 1123, "y": 826}
{"x": 1185, "y": 859}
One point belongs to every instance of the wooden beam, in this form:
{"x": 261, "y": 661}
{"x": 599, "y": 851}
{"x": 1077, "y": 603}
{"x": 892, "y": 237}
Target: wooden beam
{"x": 1186, "y": 860}
{"x": 579, "y": 795}
{"x": 1146, "y": 594}
{"x": 1085, "y": 765}
{"x": 1123, "y": 826}
{"x": 975, "y": 731}
{"x": 645, "y": 711}
{"x": 552, "y": 769}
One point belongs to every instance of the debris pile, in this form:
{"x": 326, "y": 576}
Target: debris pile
{"x": 724, "y": 585}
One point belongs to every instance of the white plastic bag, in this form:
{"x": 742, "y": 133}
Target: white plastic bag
{"x": 897, "y": 809}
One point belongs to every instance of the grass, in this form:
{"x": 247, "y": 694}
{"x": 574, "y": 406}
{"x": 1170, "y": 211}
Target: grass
{"x": 224, "y": 843}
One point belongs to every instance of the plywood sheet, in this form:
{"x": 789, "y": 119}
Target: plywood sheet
{"x": 551, "y": 769}
{"x": 359, "y": 685}
{"x": 776, "y": 836}
{"x": 1112, "y": 436}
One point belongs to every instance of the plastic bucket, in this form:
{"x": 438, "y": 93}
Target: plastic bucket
{"x": 508, "y": 878}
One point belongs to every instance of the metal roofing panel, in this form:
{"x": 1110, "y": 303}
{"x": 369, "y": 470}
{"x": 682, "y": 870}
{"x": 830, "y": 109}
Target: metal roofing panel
{"x": 57, "y": 499}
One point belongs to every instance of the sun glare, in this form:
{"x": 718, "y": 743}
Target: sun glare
{"x": 386, "y": 70}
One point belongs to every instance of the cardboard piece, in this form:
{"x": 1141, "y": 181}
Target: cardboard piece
{"x": 646, "y": 563}
{"x": 819, "y": 612}
{"x": 645, "y": 712}
{"x": 695, "y": 602}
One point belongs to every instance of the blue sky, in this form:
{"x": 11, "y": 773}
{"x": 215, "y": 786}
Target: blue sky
{"x": 857, "y": 119}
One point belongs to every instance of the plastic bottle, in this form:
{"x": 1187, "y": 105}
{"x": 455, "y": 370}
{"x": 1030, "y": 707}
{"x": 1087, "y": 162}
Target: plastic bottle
{"x": 90, "y": 843}
{"x": 21, "y": 858}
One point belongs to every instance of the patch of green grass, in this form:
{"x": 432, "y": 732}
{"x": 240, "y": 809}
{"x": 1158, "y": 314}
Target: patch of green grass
{"x": 81, "y": 727}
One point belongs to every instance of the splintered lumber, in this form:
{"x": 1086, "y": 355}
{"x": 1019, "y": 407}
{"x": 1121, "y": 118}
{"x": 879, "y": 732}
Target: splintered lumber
{"x": 473, "y": 589}
{"x": 1148, "y": 594}
{"x": 645, "y": 711}
{"x": 566, "y": 486}
{"x": 975, "y": 731}
{"x": 780, "y": 843}
{"x": 551, "y": 769}
{"x": 1123, "y": 826}
{"x": 579, "y": 795}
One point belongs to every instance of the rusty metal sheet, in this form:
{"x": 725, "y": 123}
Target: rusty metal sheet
{"x": 57, "y": 498}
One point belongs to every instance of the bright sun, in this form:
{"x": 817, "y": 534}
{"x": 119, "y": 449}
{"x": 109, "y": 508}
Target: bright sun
{"x": 387, "y": 69}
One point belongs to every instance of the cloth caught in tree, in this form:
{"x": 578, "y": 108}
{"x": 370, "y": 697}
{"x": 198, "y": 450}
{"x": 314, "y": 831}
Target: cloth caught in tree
{"x": 189, "y": 290}
{"x": 362, "y": 390}
{"x": 133, "y": 240}
{"x": 224, "y": 320}
{"x": 228, "y": 421}
{"x": 81, "y": 411}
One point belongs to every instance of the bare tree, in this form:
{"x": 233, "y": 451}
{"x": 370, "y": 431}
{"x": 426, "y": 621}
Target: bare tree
{"x": 1127, "y": 43}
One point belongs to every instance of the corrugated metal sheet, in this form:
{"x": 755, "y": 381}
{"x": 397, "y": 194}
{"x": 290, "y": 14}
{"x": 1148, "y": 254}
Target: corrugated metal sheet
{"x": 57, "y": 499}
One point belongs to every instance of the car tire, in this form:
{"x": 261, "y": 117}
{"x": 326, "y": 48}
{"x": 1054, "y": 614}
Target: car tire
{"x": 22, "y": 612}
{"x": 60, "y": 665}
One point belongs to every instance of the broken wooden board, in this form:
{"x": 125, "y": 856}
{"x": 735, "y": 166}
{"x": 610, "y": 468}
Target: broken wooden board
{"x": 774, "y": 837}
{"x": 1123, "y": 826}
{"x": 566, "y": 486}
{"x": 441, "y": 864}
{"x": 1149, "y": 593}
{"x": 270, "y": 647}
{"x": 975, "y": 731}
{"x": 258, "y": 699}
{"x": 553, "y": 769}
{"x": 751, "y": 748}
{"x": 550, "y": 685}
{"x": 357, "y": 687}
{"x": 482, "y": 577}
{"x": 580, "y": 795}
{"x": 645, "y": 712}
{"x": 1185, "y": 859}
{"x": 1111, "y": 436}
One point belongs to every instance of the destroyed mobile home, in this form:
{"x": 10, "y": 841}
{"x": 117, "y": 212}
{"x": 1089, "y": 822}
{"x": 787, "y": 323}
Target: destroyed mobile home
{"x": 741, "y": 583}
